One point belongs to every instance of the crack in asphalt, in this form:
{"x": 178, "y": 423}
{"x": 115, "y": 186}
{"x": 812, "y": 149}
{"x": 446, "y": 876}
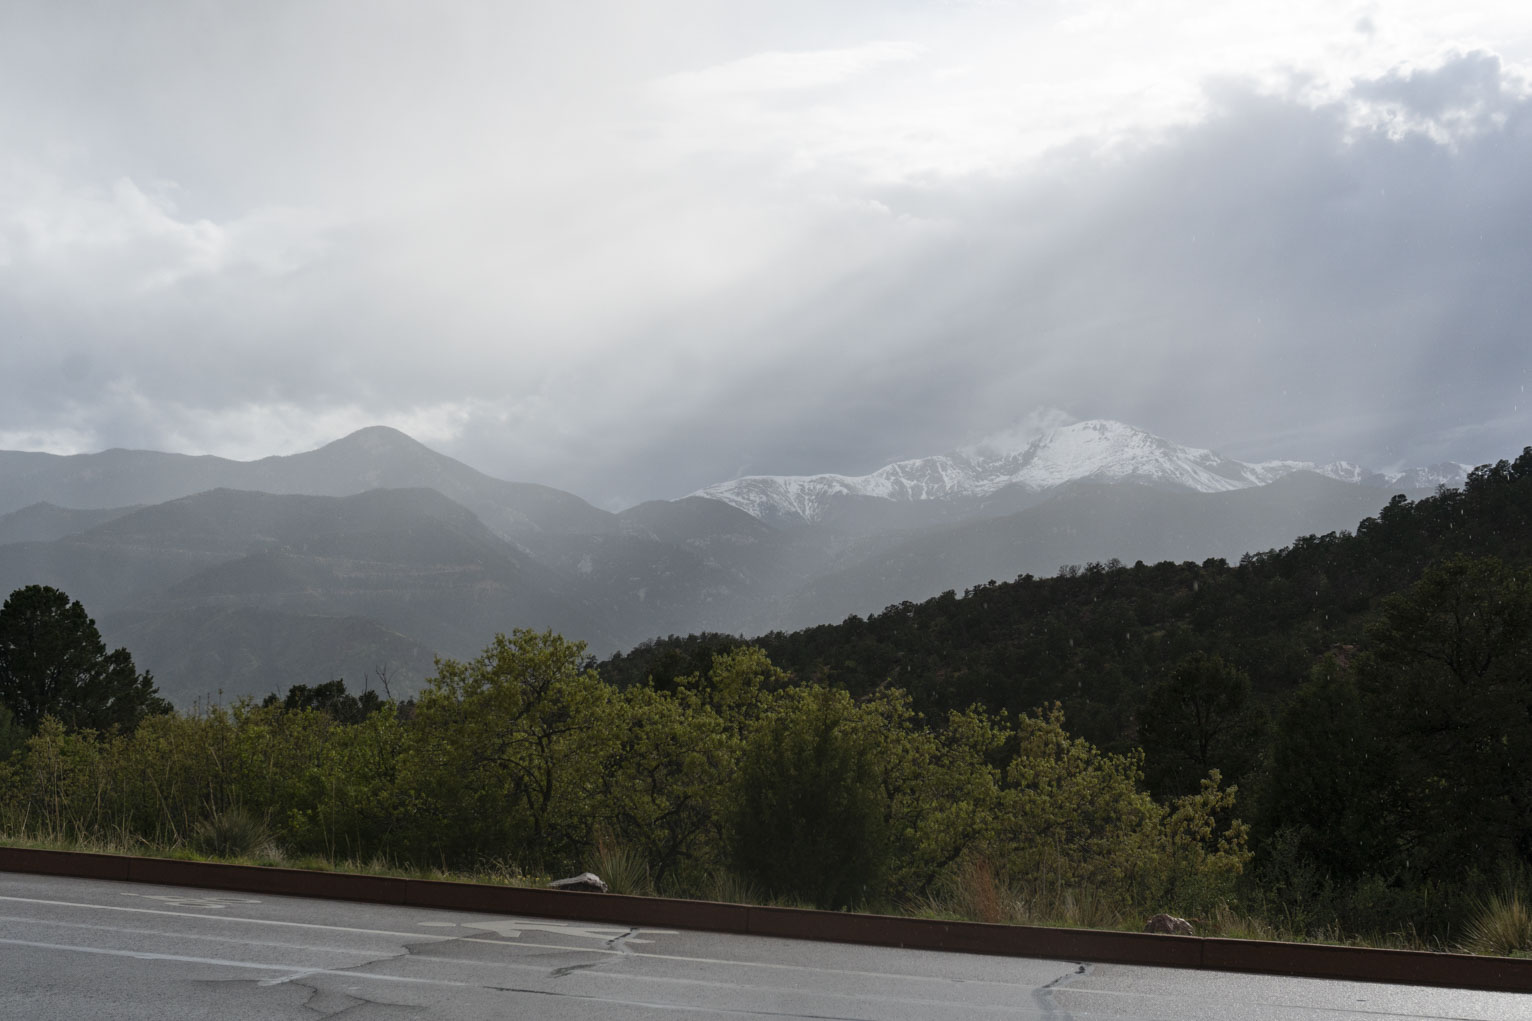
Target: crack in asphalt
{"x": 619, "y": 942}
{"x": 315, "y": 1000}
{"x": 322, "y": 997}
{"x": 318, "y": 1011}
{"x": 1043, "y": 996}
{"x": 351, "y": 1001}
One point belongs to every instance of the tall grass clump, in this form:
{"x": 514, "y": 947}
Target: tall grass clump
{"x": 233, "y": 833}
{"x": 726, "y": 886}
{"x": 623, "y": 868}
{"x": 1501, "y": 926}
{"x": 974, "y": 891}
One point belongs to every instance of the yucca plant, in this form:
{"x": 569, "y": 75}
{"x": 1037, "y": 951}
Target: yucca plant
{"x": 623, "y": 868}
{"x": 1502, "y": 926}
{"x": 232, "y": 833}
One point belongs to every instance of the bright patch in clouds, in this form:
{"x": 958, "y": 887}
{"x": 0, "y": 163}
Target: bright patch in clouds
{"x": 624, "y": 248}
{"x": 779, "y": 72}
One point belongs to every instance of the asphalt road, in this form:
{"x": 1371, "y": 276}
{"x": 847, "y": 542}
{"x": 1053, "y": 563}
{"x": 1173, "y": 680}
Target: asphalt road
{"x": 79, "y": 948}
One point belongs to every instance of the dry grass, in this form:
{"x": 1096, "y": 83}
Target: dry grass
{"x": 974, "y": 892}
{"x": 623, "y": 869}
{"x": 234, "y": 833}
{"x": 725, "y": 887}
{"x": 1224, "y": 921}
{"x": 1502, "y": 926}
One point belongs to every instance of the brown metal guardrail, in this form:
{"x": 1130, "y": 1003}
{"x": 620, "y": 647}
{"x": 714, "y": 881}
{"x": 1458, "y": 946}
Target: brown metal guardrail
{"x": 1409, "y": 967}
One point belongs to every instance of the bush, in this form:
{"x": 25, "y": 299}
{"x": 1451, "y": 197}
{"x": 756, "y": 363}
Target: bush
{"x": 807, "y": 818}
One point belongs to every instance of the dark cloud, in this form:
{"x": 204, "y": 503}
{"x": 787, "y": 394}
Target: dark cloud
{"x": 1278, "y": 281}
{"x": 1469, "y": 82}
{"x": 252, "y": 238}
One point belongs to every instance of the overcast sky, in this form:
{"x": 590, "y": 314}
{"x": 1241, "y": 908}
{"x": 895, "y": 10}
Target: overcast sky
{"x": 629, "y": 249}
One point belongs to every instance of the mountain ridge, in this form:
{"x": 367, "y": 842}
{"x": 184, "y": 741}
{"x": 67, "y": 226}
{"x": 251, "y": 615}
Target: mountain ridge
{"x": 1097, "y": 450}
{"x": 377, "y": 457}
{"x": 396, "y": 553}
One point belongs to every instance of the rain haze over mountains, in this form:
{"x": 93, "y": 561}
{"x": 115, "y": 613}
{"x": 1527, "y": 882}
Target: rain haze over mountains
{"x": 372, "y": 555}
{"x": 808, "y": 260}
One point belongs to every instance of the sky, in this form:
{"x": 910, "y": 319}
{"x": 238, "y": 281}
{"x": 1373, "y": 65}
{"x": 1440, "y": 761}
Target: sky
{"x": 631, "y": 249}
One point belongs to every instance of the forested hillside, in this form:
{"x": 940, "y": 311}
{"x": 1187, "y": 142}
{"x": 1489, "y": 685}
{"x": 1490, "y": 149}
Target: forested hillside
{"x": 1368, "y": 694}
{"x": 1098, "y": 637}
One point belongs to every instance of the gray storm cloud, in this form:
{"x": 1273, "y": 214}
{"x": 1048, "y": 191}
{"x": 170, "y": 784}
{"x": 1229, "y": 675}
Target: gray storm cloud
{"x": 627, "y": 270}
{"x": 1278, "y": 280}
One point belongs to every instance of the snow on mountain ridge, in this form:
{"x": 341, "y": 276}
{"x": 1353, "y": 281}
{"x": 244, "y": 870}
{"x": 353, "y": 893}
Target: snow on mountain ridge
{"x": 1445, "y": 473}
{"x": 1097, "y": 450}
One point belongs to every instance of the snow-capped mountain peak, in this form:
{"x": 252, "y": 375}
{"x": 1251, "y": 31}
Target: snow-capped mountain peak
{"x": 1098, "y": 450}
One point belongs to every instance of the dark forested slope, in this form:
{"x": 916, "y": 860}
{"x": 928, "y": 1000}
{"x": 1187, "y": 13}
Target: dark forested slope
{"x": 1096, "y": 637}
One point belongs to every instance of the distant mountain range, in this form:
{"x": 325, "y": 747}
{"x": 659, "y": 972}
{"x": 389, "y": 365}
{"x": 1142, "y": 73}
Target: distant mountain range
{"x": 374, "y": 554}
{"x": 1093, "y": 451}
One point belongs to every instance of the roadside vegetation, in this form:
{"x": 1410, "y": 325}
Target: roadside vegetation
{"x": 1382, "y": 768}
{"x": 737, "y": 780}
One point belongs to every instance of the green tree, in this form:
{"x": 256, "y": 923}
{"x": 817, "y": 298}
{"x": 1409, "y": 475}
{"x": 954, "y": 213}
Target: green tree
{"x": 663, "y": 781}
{"x": 1197, "y": 719}
{"x": 12, "y": 737}
{"x": 504, "y": 754}
{"x": 942, "y": 787}
{"x": 53, "y": 663}
{"x": 1076, "y": 816}
{"x": 735, "y": 681}
{"x": 330, "y": 698}
{"x": 1319, "y": 795}
{"x": 808, "y": 816}
{"x": 1448, "y": 683}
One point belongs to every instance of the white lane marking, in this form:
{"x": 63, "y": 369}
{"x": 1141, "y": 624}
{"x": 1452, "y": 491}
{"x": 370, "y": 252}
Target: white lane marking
{"x": 420, "y": 936}
{"x": 228, "y": 918}
{"x": 1072, "y": 992}
{"x": 371, "y": 957}
{"x": 513, "y": 928}
{"x": 299, "y": 973}
{"x": 192, "y": 901}
{"x": 294, "y": 977}
{"x": 291, "y": 969}
{"x": 294, "y": 972}
{"x": 124, "y": 931}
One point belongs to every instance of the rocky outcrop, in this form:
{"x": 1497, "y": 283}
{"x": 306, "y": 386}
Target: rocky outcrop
{"x": 1169, "y": 924}
{"x": 585, "y": 882}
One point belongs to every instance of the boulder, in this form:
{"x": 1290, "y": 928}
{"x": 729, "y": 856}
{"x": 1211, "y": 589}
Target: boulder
{"x": 586, "y": 882}
{"x": 1169, "y": 924}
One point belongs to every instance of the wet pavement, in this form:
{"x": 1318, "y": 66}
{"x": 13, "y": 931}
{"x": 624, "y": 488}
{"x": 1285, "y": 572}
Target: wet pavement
{"x": 77, "y": 948}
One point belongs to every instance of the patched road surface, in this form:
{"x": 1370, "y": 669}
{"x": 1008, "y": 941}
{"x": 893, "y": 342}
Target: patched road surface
{"x": 78, "y": 948}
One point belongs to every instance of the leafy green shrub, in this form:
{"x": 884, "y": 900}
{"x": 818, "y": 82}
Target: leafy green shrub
{"x": 1076, "y": 818}
{"x": 502, "y": 754}
{"x": 807, "y": 816}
